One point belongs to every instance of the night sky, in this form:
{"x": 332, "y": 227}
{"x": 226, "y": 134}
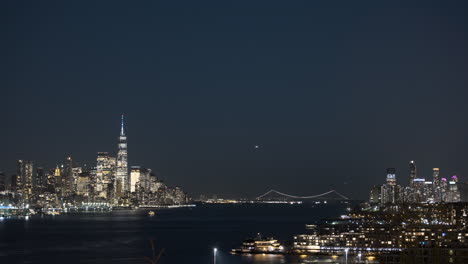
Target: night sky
{"x": 332, "y": 92}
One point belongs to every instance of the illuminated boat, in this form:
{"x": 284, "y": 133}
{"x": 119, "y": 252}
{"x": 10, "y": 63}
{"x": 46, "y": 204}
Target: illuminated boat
{"x": 259, "y": 245}
{"x": 151, "y": 213}
{"x": 52, "y": 213}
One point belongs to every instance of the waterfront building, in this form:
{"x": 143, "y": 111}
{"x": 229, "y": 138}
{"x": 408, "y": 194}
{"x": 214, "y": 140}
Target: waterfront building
{"x": 105, "y": 174}
{"x": 179, "y": 196}
{"x": 28, "y": 181}
{"x": 83, "y": 184}
{"x": 392, "y": 229}
{"x": 19, "y": 177}
{"x": 155, "y": 183}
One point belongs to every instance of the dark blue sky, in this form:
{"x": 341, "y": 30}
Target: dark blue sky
{"x": 332, "y": 92}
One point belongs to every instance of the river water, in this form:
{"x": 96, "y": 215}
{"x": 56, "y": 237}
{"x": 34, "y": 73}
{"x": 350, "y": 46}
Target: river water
{"x": 187, "y": 235}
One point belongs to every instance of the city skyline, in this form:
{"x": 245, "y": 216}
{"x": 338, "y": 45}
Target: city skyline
{"x": 108, "y": 184}
{"x": 123, "y": 173}
{"x": 331, "y": 93}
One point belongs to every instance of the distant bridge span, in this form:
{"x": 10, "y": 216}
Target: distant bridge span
{"x": 301, "y": 197}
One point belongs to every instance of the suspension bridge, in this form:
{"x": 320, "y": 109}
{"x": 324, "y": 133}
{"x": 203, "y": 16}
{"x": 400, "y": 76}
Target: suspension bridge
{"x": 276, "y": 195}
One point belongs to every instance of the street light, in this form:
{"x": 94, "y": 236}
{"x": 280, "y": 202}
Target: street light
{"x": 346, "y": 255}
{"x": 215, "y": 250}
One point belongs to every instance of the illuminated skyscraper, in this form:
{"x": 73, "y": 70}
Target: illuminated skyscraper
{"x": 418, "y": 190}
{"x": 57, "y": 177}
{"x": 39, "y": 184}
{"x": 428, "y": 194}
{"x": 122, "y": 181}
{"x": 436, "y": 185}
{"x": 134, "y": 178}
{"x": 453, "y": 194}
{"x": 390, "y": 193}
{"x": 83, "y": 184}
{"x": 76, "y": 171}
{"x": 443, "y": 189}
{"x": 391, "y": 176}
{"x": 19, "y": 176}
{"x": 68, "y": 179}
{"x": 412, "y": 172}
{"x": 105, "y": 169}
{"x": 28, "y": 181}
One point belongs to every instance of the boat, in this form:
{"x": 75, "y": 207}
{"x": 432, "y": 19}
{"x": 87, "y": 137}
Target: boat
{"x": 260, "y": 245}
{"x": 51, "y": 213}
{"x": 151, "y": 213}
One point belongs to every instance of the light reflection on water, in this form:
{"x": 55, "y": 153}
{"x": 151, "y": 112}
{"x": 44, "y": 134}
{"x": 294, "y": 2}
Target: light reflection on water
{"x": 188, "y": 235}
{"x": 280, "y": 259}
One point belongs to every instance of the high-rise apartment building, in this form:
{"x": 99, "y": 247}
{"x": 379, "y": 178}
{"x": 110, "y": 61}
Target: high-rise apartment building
{"x": 28, "y": 181}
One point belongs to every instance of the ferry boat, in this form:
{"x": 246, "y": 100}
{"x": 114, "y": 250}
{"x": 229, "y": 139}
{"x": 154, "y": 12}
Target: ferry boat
{"x": 260, "y": 245}
{"x": 151, "y": 213}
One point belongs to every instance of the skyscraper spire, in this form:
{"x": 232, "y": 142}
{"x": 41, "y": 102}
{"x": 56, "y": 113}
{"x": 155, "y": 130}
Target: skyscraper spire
{"x": 122, "y": 126}
{"x": 121, "y": 185}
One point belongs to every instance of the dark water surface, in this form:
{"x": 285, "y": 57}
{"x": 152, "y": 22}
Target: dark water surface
{"x": 187, "y": 234}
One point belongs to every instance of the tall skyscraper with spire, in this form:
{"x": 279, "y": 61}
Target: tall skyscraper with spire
{"x": 121, "y": 184}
